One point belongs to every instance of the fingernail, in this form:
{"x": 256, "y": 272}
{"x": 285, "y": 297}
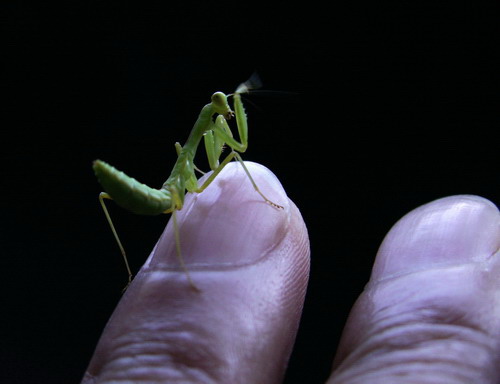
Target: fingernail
{"x": 229, "y": 223}
{"x": 452, "y": 230}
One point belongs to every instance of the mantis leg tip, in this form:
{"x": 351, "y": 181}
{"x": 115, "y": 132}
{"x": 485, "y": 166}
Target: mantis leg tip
{"x": 128, "y": 284}
{"x": 192, "y": 286}
{"x": 195, "y": 289}
{"x": 277, "y": 206}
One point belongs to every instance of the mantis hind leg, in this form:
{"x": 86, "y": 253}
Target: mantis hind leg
{"x": 102, "y": 196}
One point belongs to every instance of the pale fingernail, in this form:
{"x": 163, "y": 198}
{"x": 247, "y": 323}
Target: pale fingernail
{"x": 229, "y": 223}
{"x": 452, "y": 230}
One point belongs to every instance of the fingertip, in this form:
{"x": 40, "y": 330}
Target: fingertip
{"x": 250, "y": 263}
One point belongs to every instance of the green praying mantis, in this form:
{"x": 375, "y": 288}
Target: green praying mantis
{"x": 212, "y": 126}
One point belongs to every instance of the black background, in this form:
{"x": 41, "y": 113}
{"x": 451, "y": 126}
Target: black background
{"x": 384, "y": 108}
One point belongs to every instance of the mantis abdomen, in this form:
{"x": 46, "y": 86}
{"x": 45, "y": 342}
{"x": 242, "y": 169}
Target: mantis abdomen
{"x": 130, "y": 194}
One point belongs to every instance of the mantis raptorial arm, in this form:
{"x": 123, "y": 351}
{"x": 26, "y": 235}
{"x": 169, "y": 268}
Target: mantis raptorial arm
{"x": 223, "y": 132}
{"x": 220, "y": 132}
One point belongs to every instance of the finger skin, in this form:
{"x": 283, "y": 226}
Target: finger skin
{"x": 250, "y": 263}
{"x": 430, "y": 313}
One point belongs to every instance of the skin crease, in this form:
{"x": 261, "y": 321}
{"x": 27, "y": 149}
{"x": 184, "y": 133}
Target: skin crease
{"x": 429, "y": 314}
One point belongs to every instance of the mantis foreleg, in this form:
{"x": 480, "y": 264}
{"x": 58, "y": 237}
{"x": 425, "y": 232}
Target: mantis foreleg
{"x": 222, "y": 131}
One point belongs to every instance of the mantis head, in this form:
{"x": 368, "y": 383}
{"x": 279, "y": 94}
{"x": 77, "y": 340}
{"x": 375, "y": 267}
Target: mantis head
{"x": 219, "y": 102}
